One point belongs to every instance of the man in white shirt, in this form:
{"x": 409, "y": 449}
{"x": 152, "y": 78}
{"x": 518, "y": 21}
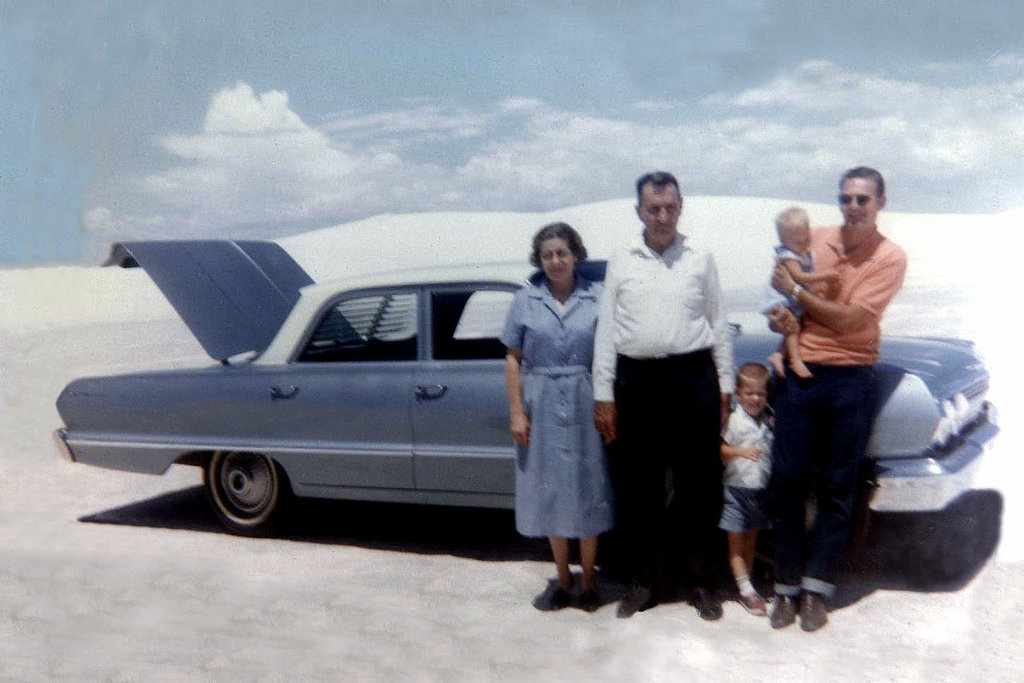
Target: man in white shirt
{"x": 663, "y": 376}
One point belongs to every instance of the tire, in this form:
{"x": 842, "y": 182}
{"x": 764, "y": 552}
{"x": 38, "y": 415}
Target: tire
{"x": 246, "y": 491}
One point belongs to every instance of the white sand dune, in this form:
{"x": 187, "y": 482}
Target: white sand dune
{"x": 738, "y": 229}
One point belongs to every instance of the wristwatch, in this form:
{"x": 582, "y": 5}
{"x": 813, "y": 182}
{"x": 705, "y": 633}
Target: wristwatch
{"x": 795, "y": 293}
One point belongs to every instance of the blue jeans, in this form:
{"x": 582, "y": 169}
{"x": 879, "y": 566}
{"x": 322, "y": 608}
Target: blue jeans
{"x": 822, "y": 427}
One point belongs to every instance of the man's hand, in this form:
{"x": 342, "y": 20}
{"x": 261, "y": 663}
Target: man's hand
{"x": 782, "y": 320}
{"x": 519, "y": 425}
{"x": 782, "y": 279}
{"x": 605, "y": 419}
{"x": 726, "y": 409}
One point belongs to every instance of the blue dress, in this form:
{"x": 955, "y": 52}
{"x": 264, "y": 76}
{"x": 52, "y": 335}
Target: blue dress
{"x": 562, "y": 482}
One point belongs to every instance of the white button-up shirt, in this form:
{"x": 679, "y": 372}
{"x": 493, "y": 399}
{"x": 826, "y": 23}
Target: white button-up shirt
{"x": 744, "y": 431}
{"x": 656, "y": 305}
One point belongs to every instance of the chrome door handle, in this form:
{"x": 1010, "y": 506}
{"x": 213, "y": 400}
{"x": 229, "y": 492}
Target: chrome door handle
{"x": 286, "y": 392}
{"x": 430, "y": 391}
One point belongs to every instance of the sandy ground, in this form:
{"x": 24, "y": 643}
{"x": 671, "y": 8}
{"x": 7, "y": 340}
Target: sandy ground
{"x": 107, "y": 575}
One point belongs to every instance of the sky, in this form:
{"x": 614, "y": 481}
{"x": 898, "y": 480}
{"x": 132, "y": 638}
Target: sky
{"x": 161, "y": 120}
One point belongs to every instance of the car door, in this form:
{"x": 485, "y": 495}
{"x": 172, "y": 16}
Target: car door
{"x": 340, "y": 411}
{"x": 460, "y": 412}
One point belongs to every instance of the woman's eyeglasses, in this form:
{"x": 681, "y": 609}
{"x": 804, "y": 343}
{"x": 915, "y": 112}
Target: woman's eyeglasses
{"x": 861, "y": 199}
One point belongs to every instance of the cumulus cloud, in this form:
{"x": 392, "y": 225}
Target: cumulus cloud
{"x": 820, "y": 86}
{"x": 923, "y": 132}
{"x": 460, "y": 123}
{"x": 256, "y": 168}
{"x": 240, "y": 110}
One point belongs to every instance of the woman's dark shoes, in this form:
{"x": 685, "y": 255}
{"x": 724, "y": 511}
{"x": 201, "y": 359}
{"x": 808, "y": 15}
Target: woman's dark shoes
{"x": 783, "y": 611}
{"x": 813, "y": 614}
{"x": 588, "y": 600}
{"x": 709, "y": 607}
{"x": 553, "y": 598}
{"x": 636, "y": 599}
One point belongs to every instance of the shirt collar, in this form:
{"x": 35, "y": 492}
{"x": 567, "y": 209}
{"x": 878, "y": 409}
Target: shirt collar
{"x": 584, "y": 289}
{"x": 639, "y": 247}
{"x": 864, "y": 251}
{"x": 756, "y": 421}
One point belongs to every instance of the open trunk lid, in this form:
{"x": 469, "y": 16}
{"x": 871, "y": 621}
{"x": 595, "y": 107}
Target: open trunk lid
{"x": 233, "y": 295}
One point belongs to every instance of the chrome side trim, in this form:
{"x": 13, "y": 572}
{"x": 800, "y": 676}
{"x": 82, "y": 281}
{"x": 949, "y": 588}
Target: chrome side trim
{"x": 414, "y": 496}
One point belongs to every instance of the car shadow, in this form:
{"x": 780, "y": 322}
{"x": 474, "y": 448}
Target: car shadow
{"x": 924, "y": 552}
{"x": 184, "y": 509}
{"x": 933, "y": 552}
{"x": 482, "y": 534}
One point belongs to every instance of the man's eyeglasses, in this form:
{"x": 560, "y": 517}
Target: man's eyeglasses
{"x": 861, "y": 199}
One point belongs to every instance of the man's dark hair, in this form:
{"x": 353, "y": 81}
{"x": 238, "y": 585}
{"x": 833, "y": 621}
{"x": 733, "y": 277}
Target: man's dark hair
{"x": 867, "y": 173}
{"x": 562, "y": 231}
{"x": 657, "y": 178}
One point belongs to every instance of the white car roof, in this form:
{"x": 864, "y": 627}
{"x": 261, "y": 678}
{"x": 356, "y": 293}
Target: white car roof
{"x": 507, "y": 271}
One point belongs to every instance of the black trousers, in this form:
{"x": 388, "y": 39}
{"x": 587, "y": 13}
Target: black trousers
{"x": 666, "y": 467}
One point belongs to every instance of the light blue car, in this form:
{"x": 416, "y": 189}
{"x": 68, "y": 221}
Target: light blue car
{"x": 390, "y": 387}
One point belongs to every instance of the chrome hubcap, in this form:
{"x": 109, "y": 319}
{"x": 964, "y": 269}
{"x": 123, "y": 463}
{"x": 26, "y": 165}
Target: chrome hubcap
{"x": 247, "y": 481}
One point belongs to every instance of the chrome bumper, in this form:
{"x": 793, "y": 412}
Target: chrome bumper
{"x": 928, "y": 484}
{"x": 61, "y": 437}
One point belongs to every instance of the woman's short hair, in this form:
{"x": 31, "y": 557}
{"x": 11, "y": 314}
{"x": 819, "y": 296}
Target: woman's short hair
{"x": 562, "y": 231}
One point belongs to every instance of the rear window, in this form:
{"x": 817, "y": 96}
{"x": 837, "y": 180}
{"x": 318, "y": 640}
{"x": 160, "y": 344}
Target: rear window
{"x": 379, "y": 327}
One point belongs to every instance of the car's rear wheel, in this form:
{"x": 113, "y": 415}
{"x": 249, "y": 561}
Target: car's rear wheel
{"x": 246, "y": 491}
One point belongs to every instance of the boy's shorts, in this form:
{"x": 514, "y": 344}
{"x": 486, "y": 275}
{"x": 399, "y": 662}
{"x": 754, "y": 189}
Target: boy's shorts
{"x": 743, "y": 509}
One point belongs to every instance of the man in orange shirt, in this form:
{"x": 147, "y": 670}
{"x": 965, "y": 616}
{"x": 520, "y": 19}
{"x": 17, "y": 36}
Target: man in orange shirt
{"x": 822, "y": 424}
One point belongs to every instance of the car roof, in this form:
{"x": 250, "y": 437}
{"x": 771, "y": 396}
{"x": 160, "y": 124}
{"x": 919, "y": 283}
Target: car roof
{"x": 314, "y": 298}
{"x": 498, "y": 272}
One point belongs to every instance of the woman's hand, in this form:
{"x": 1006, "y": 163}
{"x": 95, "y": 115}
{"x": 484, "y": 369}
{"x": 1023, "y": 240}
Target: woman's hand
{"x": 519, "y": 425}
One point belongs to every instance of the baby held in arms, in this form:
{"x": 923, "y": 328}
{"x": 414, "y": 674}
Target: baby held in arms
{"x": 794, "y": 254}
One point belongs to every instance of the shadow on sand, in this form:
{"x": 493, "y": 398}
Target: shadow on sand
{"x": 939, "y": 552}
{"x": 925, "y": 552}
{"x": 482, "y": 534}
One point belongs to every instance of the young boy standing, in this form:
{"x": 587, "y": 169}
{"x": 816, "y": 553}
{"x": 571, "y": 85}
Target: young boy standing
{"x": 746, "y": 451}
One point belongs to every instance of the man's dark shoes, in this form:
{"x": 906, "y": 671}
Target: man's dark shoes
{"x": 553, "y": 598}
{"x": 783, "y": 611}
{"x": 709, "y": 607}
{"x": 637, "y": 599}
{"x": 813, "y": 614}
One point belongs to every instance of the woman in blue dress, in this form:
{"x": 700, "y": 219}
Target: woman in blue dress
{"x": 563, "y": 489}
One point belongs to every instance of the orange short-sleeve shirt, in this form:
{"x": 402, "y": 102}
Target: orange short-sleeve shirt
{"x": 869, "y": 276}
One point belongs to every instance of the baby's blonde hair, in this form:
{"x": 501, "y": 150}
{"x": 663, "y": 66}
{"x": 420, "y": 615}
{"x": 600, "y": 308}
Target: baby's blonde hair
{"x": 793, "y": 217}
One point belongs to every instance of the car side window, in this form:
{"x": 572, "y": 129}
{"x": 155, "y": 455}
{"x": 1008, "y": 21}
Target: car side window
{"x": 467, "y": 324}
{"x": 378, "y": 327}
